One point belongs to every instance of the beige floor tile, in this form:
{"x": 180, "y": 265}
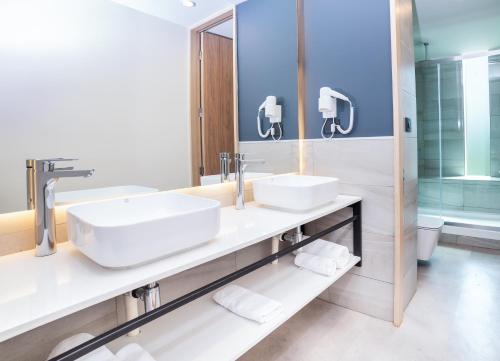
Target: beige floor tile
{"x": 454, "y": 316}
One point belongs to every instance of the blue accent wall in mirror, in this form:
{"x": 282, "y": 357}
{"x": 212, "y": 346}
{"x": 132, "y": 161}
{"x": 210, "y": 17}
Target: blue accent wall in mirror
{"x": 267, "y": 63}
{"x": 350, "y": 51}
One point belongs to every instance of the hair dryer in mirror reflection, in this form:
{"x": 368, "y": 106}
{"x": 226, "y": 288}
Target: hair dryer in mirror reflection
{"x": 327, "y": 104}
{"x": 272, "y": 111}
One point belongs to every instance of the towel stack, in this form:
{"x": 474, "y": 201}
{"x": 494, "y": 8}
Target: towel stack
{"x": 131, "y": 352}
{"x": 322, "y": 257}
{"x": 247, "y": 304}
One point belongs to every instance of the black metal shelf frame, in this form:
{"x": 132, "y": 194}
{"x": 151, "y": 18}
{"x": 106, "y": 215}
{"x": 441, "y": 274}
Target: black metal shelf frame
{"x": 123, "y": 329}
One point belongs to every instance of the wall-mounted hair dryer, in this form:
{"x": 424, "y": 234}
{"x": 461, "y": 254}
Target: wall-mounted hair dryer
{"x": 327, "y": 104}
{"x": 272, "y": 111}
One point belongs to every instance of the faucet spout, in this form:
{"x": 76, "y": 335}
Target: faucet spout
{"x": 41, "y": 177}
{"x": 240, "y": 165}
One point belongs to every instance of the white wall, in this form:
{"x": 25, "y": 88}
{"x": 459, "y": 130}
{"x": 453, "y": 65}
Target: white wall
{"x": 97, "y": 81}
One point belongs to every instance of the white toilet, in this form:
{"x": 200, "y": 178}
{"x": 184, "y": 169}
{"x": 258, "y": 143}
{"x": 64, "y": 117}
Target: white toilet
{"x": 429, "y": 230}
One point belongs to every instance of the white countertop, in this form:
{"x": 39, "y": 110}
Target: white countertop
{"x": 36, "y": 291}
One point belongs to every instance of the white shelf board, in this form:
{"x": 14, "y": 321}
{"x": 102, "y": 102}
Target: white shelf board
{"x": 38, "y": 290}
{"x": 203, "y": 330}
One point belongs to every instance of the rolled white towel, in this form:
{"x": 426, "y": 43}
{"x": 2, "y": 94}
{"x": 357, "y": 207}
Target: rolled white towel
{"x": 101, "y": 354}
{"x": 322, "y": 265}
{"x": 328, "y": 249}
{"x": 248, "y": 304}
{"x": 133, "y": 352}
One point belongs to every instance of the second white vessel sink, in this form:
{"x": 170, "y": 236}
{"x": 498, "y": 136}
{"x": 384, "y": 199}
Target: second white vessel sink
{"x": 295, "y": 192}
{"x": 215, "y": 178}
{"x": 129, "y": 232}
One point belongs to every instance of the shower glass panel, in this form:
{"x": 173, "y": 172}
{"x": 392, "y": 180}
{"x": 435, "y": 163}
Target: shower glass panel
{"x": 441, "y": 137}
{"x": 494, "y": 75}
{"x": 448, "y": 184}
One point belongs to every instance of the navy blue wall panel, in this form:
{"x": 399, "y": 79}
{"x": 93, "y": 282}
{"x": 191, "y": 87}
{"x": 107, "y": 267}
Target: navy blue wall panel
{"x": 267, "y": 63}
{"x": 348, "y": 47}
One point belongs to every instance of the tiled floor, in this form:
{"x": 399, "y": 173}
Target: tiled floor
{"x": 455, "y": 315}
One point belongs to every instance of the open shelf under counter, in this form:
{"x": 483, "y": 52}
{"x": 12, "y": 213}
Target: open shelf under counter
{"x": 38, "y": 290}
{"x": 203, "y": 330}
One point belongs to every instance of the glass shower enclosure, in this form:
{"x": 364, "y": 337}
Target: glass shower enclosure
{"x": 458, "y": 106}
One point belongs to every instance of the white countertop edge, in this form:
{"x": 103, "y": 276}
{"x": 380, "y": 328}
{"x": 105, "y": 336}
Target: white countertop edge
{"x": 152, "y": 272}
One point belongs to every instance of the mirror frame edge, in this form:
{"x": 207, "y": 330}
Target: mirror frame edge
{"x": 195, "y": 89}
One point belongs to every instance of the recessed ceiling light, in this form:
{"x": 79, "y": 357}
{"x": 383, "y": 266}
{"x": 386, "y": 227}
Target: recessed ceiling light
{"x": 188, "y": 3}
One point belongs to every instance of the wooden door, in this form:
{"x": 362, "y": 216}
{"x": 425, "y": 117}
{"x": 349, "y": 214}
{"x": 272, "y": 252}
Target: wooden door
{"x": 217, "y": 123}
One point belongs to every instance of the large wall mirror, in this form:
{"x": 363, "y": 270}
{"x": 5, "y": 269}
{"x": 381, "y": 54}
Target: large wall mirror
{"x": 148, "y": 94}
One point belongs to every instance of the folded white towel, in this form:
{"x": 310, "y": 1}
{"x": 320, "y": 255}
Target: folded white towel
{"x": 328, "y": 249}
{"x": 101, "y": 354}
{"x": 248, "y": 304}
{"x": 133, "y": 352}
{"x": 322, "y": 265}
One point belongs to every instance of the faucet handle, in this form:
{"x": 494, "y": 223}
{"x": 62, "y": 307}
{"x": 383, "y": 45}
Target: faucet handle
{"x": 64, "y": 168}
{"x": 54, "y": 160}
{"x": 48, "y": 164}
{"x": 242, "y": 158}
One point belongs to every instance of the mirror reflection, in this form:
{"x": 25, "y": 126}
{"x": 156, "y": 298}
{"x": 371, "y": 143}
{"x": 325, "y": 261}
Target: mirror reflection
{"x": 111, "y": 98}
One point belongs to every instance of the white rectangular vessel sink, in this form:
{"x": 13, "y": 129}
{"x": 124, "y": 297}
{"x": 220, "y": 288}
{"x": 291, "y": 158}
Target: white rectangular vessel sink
{"x": 295, "y": 192}
{"x": 132, "y": 231}
{"x": 95, "y": 194}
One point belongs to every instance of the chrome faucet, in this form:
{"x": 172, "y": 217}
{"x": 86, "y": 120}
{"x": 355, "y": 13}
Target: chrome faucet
{"x": 225, "y": 161}
{"x": 41, "y": 178}
{"x": 240, "y": 165}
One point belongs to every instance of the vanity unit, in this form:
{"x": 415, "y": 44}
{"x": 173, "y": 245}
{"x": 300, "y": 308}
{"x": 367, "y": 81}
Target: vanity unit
{"x": 42, "y": 290}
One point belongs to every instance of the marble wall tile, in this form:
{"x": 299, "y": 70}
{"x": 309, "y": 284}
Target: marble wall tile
{"x": 495, "y": 90}
{"x": 325, "y": 296}
{"x": 478, "y": 242}
{"x": 280, "y": 157}
{"x": 17, "y": 242}
{"x": 448, "y": 238}
{"x": 410, "y": 159}
{"x": 410, "y": 283}
{"x": 378, "y": 258}
{"x": 434, "y": 192}
{"x": 370, "y": 175}
{"x": 253, "y": 253}
{"x": 16, "y": 222}
{"x": 191, "y": 279}
{"x": 364, "y": 295}
{"x": 482, "y": 195}
{"x": 409, "y": 248}
{"x": 482, "y": 210}
{"x": 355, "y": 161}
{"x": 378, "y": 207}
{"x": 35, "y": 345}
{"x": 378, "y": 250}
{"x": 410, "y": 203}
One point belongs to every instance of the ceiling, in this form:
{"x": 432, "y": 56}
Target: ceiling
{"x": 174, "y": 11}
{"x": 455, "y": 27}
